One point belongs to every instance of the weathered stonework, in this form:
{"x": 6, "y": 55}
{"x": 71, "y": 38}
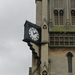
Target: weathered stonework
{"x": 59, "y": 61}
{"x": 54, "y": 60}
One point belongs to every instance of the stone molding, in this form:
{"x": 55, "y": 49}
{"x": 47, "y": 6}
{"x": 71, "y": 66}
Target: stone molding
{"x": 38, "y": 0}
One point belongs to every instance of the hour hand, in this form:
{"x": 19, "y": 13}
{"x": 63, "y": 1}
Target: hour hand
{"x": 35, "y": 33}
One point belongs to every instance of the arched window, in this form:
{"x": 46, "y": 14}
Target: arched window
{"x": 56, "y": 17}
{"x": 61, "y": 12}
{"x": 58, "y": 12}
{"x": 69, "y": 55}
{"x": 73, "y": 17}
{"x": 72, "y": 12}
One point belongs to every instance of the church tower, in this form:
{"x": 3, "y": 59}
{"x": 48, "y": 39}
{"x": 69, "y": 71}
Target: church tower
{"x": 55, "y": 54}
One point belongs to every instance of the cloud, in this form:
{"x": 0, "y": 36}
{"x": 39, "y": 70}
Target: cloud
{"x": 15, "y": 56}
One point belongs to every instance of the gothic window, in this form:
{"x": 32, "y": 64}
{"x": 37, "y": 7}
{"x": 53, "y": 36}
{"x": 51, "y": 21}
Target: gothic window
{"x": 72, "y": 12}
{"x": 61, "y": 12}
{"x": 73, "y": 17}
{"x": 58, "y": 12}
{"x": 69, "y": 55}
{"x": 56, "y": 17}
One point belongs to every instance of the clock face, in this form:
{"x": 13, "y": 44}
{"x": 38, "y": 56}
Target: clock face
{"x": 34, "y": 34}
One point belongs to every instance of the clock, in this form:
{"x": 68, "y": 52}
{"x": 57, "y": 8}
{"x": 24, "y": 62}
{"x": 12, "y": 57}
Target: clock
{"x": 32, "y": 33}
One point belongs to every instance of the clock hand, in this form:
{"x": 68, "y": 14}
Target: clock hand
{"x": 35, "y": 33}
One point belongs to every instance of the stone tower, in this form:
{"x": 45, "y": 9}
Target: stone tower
{"x": 56, "y": 53}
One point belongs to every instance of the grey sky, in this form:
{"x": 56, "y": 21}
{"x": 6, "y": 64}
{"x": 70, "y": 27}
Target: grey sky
{"x": 15, "y": 56}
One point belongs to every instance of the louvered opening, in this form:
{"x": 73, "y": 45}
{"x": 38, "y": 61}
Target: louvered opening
{"x": 62, "y": 39}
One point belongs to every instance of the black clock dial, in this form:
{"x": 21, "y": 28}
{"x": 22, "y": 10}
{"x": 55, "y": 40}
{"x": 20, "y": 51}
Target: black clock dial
{"x": 32, "y": 33}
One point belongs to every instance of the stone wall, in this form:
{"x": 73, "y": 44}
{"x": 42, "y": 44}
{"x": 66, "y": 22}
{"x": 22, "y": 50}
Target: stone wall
{"x": 59, "y": 61}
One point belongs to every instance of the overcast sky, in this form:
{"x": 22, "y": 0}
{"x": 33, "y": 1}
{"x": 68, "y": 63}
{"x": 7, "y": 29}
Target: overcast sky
{"x": 15, "y": 56}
